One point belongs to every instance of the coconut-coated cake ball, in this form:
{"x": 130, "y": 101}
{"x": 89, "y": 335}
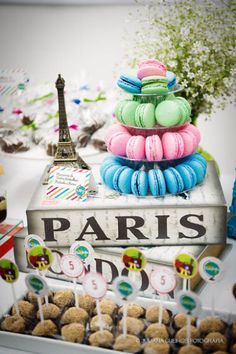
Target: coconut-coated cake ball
{"x": 211, "y": 324}
{"x": 50, "y": 311}
{"x": 63, "y": 297}
{"x": 220, "y": 352}
{"x": 14, "y": 324}
{"x": 157, "y": 346}
{"x": 26, "y": 309}
{"x": 74, "y": 315}
{"x": 152, "y": 314}
{"x": 33, "y": 298}
{"x": 233, "y": 349}
{"x": 103, "y": 339}
{"x": 133, "y": 310}
{"x": 45, "y": 328}
{"x": 156, "y": 330}
{"x": 87, "y": 302}
{"x": 128, "y": 344}
{"x": 73, "y": 332}
{"x": 187, "y": 349}
{"x": 180, "y": 320}
{"x": 107, "y": 306}
{"x": 233, "y": 330}
{"x": 134, "y": 325}
{"x": 181, "y": 335}
{"x": 215, "y": 341}
{"x": 107, "y": 323}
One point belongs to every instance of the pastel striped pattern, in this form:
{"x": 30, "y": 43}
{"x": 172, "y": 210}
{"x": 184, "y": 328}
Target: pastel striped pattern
{"x": 66, "y": 193}
{"x": 12, "y": 78}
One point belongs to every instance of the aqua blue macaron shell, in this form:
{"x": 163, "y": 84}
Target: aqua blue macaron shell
{"x": 139, "y": 183}
{"x": 199, "y": 158}
{"x": 108, "y": 163}
{"x": 157, "y": 183}
{"x": 199, "y": 169}
{"x": 188, "y": 175}
{"x": 108, "y": 175}
{"x": 130, "y": 84}
{"x": 171, "y": 77}
{"x": 174, "y": 181}
{"x": 124, "y": 182}
{"x": 116, "y": 178}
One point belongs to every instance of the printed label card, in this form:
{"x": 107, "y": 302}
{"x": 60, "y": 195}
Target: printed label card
{"x": 68, "y": 184}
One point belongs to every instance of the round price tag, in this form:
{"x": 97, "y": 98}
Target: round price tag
{"x": 40, "y": 257}
{"x": 37, "y": 284}
{"x": 186, "y": 266}
{"x": 33, "y": 241}
{"x": 163, "y": 280}
{"x": 125, "y": 289}
{"x": 133, "y": 259}
{"x": 83, "y": 250}
{"x": 9, "y": 271}
{"x": 234, "y": 290}
{"x": 71, "y": 266}
{"x": 95, "y": 285}
{"x": 211, "y": 269}
{"x": 188, "y": 302}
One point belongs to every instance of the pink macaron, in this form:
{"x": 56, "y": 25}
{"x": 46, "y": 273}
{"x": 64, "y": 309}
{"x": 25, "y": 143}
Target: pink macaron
{"x": 195, "y": 131}
{"x": 190, "y": 142}
{"x": 135, "y": 148}
{"x": 117, "y": 142}
{"x": 115, "y": 128}
{"x": 151, "y": 67}
{"x": 173, "y": 145}
{"x": 153, "y": 148}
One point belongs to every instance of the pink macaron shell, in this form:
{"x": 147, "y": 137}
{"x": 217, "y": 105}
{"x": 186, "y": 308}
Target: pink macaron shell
{"x": 135, "y": 148}
{"x": 153, "y": 148}
{"x": 189, "y": 142}
{"x": 117, "y": 142}
{"x": 170, "y": 146}
{"x": 180, "y": 145}
{"x": 151, "y": 67}
{"x": 115, "y": 128}
{"x": 195, "y": 131}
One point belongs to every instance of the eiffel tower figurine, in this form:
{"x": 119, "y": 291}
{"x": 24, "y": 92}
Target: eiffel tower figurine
{"x": 65, "y": 153}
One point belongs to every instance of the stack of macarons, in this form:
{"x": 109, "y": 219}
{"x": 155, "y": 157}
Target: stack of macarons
{"x": 172, "y": 112}
{"x": 152, "y": 79}
{"x": 156, "y": 182}
{"x": 169, "y": 146}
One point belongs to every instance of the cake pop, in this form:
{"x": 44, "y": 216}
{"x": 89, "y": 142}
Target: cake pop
{"x": 107, "y": 306}
{"x": 233, "y": 330}
{"x": 187, "y": 349}
{"x": 87, "y": 302}
{"x": 25, "y": 307}
{"x": 50, "y": 311}
{"x": 152, "y": 314}
{"x": 211, "y": 324}
{"x": 181, "y": 335}
{"x": 134, "y": 325}
{"x": 45, "y": 328}
{"x": 74, "y": 314}
{"x": 14, "y": 324}
{"x": 156, "y": 346}
{"x": 133, "y": 310}
{"x": 103, "y": 339}
{"x": 233, "y": 349}
{"x": 156, "y": 330}
{"x": 215, "y": 341}
{"x": 180, "y": 320}
{"x": 64, "y": 297}
{"x": 107, "y": 323}
{"x": 128, "y": 343}
{"x": 73, "y": 332}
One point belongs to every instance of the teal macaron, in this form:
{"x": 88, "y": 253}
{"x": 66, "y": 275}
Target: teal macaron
{"x": 168, "y": 113}
{"x": 145, "y": 115}
{"x": 188, "y": 175}
{"x": 122, "y": 179}
{"x": 157, "y": 85}
{"x": 157, "y": 182}
{"x": 174, "y": 181}
{"x": 139, "y": 183}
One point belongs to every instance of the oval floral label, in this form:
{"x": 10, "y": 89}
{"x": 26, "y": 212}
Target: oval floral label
{"x": 125, "y": 289}
{"x": 133, "y": 259}
{"x": 37, "y": 284}
{"x": 186, "y": 265}
{"x": 8, "y": 270}
{"x": 211, "y": 269}
{"x": 188, "y": 302}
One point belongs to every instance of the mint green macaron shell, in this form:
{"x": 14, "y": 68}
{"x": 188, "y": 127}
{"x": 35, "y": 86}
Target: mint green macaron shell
{"x": 154, "y": 85}
{"x": 119, "y": 109}
{"x": 145, "y": 115}
{"x": 168, "y": 114}
{"x": 128, "y": 113}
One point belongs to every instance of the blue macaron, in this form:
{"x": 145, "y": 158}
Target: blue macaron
{"x": 188, "y": 175}
{"x": 108, "y": 174}
{"x": 199, "y": 158}
{"x": 116, "y": 178}
{"x": 139, "y": 183}
{"x": 130, "y": 84}
{"x": 110, "y": 161}
{"x": 157, "y": 182}
{"x": 171, "y": 77}
{"x": 174, "y": 181}
{"x": 124, "y": 181}
{"x": 199, "y": 169}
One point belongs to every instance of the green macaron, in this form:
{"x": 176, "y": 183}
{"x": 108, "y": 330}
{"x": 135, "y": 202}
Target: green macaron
{"x": 154, "y": 85}
{"x": 185, "y": 109}
{"x": 119, "y": 109}
{"x": 128, "y": 113}
{"x": 168, "y": 113}
{"x": 145, "y": 115}
{"x": 185, "y": 103}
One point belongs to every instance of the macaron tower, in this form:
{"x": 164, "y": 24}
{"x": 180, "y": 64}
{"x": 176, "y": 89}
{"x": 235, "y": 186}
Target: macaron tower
{"x": 153, "y": 143}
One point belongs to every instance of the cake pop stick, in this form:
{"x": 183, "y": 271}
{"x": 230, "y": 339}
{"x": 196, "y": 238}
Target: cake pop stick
{"x": 40, "y": 257}
{"x": 163, "y": 281}
{"x": 39, "y": 286}
{"x": 211, "y": 270}
{"x": 189, "y": 303}
{"x": 95, "y": 285}
{"x": 126, "y": 291}
{"x": 9, "y": 272}
{"x": 72, "y": 267}
{"x": 186, "y": 267}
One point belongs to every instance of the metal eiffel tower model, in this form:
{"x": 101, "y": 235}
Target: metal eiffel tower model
{"x": 65, "y": 153}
